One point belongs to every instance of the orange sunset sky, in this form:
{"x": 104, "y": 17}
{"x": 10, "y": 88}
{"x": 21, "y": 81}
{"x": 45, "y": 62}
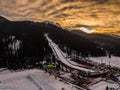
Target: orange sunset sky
{"x": 101, "y": 15}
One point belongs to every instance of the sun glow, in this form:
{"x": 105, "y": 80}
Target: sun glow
{"x": 87, "y": 30}
{"x": 71, "y": 14}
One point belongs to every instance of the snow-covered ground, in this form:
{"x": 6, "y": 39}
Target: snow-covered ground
{"x": 113, "y": 61}
{"x": 31, "y": 80}
{"x": 103, "y": 84}
{"x": 4, "y": 71}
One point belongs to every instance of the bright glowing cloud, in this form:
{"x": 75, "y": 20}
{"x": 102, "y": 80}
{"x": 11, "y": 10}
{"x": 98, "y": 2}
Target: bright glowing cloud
{"x": 97, "y": 14}
{"x": 86, "y": 30}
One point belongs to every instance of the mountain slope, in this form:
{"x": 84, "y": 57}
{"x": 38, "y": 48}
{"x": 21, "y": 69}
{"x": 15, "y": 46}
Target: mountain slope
{"x": 22, "y": 28}
{"x": 110, "y": 43}
{"x": 73, "y": 41}
{"x": 23, "y": 44}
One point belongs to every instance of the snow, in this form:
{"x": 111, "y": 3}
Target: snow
{"x": 103, "y": 84}
{"x": 113, "y": 61}
{"x": 4, "y": 72}
{"x": 63, "y": 58}
{"x": 41, "y": 82}
{"x": 33, "y": 79}
{"x": 14, "y": 45}
{"x": 17, "y": 81}
{"x": 118, "y": 77}
{"x": 18, "y": 84}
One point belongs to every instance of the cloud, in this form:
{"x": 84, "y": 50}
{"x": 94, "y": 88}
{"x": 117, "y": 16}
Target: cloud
{"x": 66, "y": 12}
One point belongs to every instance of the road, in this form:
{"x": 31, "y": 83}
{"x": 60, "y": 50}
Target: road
{"x": 62, "y": 58}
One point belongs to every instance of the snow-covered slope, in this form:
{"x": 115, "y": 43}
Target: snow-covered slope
{"x": 31, "y": 80}
{"x": 113, "y": 61}
{"x": 62, "y": 58}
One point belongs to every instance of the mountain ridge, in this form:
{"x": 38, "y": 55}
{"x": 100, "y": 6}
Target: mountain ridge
{"x": 3, "y": 19}
{"x": 21, "y": 28}
{"x": 107, "y": 41}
